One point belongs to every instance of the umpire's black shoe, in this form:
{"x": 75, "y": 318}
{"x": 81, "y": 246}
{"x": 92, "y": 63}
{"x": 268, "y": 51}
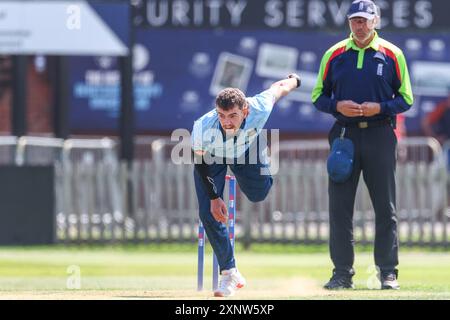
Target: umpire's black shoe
{"x": 389, "y": 281}
{"x": 339, "y": 281}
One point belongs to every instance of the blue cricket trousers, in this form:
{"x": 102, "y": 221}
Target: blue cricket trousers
{"x": 251, "y": 182}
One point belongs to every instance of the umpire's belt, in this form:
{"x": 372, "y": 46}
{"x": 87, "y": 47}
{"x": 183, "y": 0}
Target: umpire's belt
{"x": 366, "y": 124}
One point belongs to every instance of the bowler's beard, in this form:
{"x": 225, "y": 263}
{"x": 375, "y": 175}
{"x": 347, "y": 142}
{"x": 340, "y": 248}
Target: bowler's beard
{"x": 229, "y": 133}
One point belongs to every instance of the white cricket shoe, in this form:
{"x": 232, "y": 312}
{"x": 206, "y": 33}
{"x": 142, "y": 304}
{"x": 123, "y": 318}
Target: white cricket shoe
{"x": 230, "y": 281}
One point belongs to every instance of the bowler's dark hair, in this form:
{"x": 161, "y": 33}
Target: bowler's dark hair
{"x": 230, "y": 97}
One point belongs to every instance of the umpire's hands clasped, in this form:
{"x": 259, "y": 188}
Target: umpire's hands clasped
{"x": 219, "y": 210}
{"x": 350, "y": 108}
{"x": 370, "y": 108}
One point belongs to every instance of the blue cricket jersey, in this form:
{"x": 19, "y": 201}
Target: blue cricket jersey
{"x": 207, "y": 135}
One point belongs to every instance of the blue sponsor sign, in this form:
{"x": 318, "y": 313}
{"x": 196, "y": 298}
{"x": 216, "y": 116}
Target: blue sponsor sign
{"x": 179, "y": 72}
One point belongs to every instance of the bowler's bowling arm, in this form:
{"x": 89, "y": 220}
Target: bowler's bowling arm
{"x": 283, "y": 87}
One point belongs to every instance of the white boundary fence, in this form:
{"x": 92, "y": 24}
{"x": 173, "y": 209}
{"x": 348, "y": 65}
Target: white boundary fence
{"x": 99, "y": 199}
{"x": 297, "y": 208}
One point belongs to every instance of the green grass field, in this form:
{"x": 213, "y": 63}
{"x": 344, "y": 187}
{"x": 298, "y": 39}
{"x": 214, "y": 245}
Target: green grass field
{"x": 169, "y": 272}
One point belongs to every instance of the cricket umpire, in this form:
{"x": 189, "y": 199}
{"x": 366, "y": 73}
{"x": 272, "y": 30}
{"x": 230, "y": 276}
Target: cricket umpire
{"x": 364, "y": 83}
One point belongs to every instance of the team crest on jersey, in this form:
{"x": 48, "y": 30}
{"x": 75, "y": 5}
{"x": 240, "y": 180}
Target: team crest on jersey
{"x": 380, "y": 56}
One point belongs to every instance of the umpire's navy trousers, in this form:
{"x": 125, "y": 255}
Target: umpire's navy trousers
{"x": 375, "y": 157}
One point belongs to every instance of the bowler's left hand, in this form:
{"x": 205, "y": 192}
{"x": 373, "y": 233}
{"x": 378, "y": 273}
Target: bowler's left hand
{"x": 370, "y": 108}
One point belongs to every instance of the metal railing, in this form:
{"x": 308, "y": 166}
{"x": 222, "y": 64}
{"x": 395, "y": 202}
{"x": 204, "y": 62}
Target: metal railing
{"x": 297, "y": 208}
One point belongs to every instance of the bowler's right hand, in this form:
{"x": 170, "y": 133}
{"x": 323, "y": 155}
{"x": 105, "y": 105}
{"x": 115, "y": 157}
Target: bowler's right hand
{"x": 349, "y": 108}
{"x": 219, "y": 210}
